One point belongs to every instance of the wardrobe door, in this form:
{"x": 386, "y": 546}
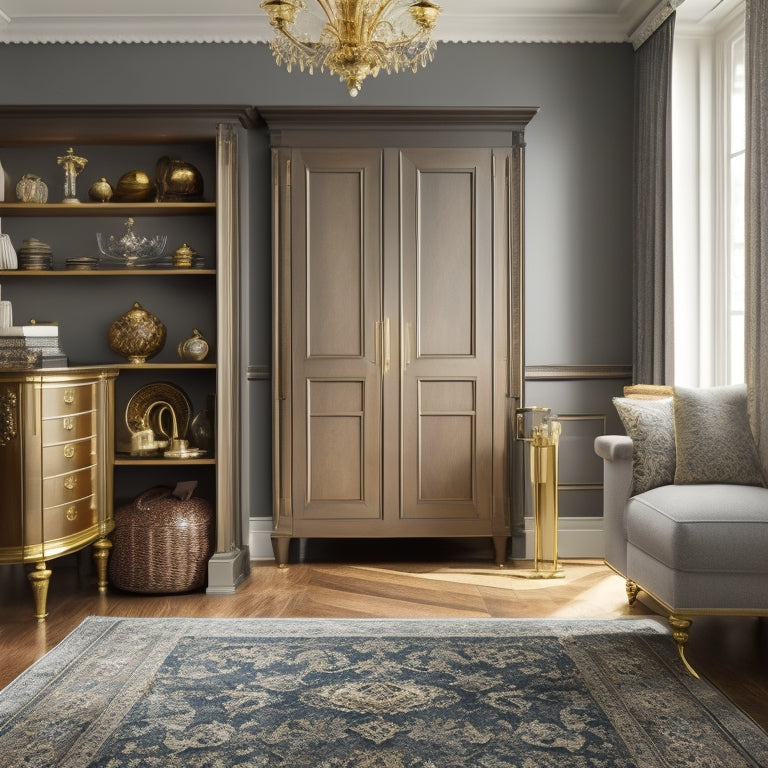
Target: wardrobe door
{"x": 447, "y": 338}
{"x": 336, "y": 336}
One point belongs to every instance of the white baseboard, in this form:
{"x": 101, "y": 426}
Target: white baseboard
{"x": 260, "y": 538}
{"x": 576, "y": 537}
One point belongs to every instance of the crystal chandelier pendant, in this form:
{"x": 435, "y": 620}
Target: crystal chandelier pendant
{"x": 352, "y": 38}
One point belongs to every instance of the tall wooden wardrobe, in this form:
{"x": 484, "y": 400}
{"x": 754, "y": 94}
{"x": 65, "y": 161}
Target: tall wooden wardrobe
{"x": 397, "y": 327}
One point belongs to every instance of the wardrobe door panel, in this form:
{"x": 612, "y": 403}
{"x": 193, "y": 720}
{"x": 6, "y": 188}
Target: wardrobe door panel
{"x": 447, "y": 318}
{"x": 336, "y": 298}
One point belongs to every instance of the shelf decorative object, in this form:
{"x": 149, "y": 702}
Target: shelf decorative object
{"x": 31, "y": 189}
{"x": 35, "y": 255}
{"x": 129, "y": 248}
{"x": 177, "y": 181}
{"x": 134, "y": 187}
{"x": 73, "y": 165}
{"x": 137, "y": 334}
{"x": 183, "y": 256}
{"x": 100, "y": 191}
{"x": 8, "y": 257}
{"x": 194, "y": 349}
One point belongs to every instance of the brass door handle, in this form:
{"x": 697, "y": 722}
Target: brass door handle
{"x": 407, "y": 344}
{"x": 386, "y": 343}
{"x": 383, "y": 350}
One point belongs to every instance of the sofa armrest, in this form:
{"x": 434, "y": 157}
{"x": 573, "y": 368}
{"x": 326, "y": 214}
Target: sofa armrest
{"x": 616, "y": 452}
{"x": 613, "y": 447}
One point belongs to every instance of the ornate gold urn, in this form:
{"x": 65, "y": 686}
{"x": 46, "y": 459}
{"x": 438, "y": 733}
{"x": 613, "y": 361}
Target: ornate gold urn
{"x": 137, "y": 334}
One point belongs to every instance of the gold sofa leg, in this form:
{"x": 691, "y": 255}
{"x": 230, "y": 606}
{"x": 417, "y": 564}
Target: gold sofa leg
{"x": 680, "y": 627}
{"x": 632, "y": 590}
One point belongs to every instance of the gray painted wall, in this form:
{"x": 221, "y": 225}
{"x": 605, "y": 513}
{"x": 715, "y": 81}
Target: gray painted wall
{"x": 578, "y": 178}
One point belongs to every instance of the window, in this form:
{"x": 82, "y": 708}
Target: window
{"x": 708, "y": 199}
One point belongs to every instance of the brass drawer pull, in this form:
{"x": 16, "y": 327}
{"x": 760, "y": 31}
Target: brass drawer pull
{"x": 69, "y": 396}
{"x": 70, "y": 482}
{"x": 69, "y": 451}
{"x": 71, "y": 513}
{"x": 68, "y": 422}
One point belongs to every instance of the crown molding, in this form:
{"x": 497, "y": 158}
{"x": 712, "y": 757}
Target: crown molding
{"x": 504, "y": 28}
{"x": 490, "y": 21}
{"x": 237, "y": 21}
{"x": 247, "y": 28}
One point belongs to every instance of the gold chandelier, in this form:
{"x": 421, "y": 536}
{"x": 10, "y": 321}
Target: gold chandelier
{"x": 356, "y": 38}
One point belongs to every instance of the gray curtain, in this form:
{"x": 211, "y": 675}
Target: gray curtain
{"x": 652, "y": 241}
{"x": 756, "y": 319}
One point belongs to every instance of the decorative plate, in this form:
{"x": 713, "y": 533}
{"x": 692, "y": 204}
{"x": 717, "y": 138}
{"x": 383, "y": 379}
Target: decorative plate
{"x": 158, "y": 418}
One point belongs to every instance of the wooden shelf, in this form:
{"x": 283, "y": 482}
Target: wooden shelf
{"x": 106, "y": 209}
{"x": 125, "y": 461}
{"x": 104, "y": 272}
{"x": 162, "y": 366}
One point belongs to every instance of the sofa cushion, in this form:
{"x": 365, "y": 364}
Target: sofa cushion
{"x": 650, "y": 424}
{"x": 703, "y": 528}
{"x": 713, "y": 438}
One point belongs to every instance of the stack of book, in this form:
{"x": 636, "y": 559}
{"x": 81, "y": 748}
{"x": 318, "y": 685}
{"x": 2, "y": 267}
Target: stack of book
{"x": 28, "y": 346}
{"x": 31, "y": 346}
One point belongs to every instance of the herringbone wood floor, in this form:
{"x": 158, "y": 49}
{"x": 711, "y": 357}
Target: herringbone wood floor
{"x": 363, "y": 579}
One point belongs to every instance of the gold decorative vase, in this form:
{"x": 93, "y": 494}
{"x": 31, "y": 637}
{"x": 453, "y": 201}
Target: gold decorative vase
{"x": 134, "y": 187}
{"x": 177, "y": 181}
{"x": 137, "y": 334}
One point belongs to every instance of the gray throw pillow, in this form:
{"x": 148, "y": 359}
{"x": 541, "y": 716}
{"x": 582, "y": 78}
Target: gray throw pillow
{"x": 713, "y": 437}
{"x": 650, "y": 424}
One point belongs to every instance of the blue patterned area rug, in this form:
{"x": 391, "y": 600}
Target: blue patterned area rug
{"x": 340, "y": 693}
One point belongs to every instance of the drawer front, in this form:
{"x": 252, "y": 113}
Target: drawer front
{"x": 61, "y": 429}
{"x": 69, "y": 456}
{"x": 70, "y": 519}
{"x": 61, "y": 399}
{"x": 69, "y": 487}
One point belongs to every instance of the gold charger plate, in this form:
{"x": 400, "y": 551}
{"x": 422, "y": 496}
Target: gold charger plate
{"x": 160, "y": 421}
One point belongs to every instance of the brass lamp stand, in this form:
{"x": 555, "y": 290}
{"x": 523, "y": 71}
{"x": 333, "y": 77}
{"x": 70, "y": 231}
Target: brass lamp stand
{"x": 536, "y": 427}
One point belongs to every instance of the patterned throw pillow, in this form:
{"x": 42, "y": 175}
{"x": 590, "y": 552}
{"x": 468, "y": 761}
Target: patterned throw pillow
{"x": 650, "y": 424}
{"x": 713, "y": 437}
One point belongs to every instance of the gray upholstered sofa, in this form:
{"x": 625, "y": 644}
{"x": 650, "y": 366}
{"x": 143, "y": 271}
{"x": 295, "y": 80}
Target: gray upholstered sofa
{"x": 685, "y": 507}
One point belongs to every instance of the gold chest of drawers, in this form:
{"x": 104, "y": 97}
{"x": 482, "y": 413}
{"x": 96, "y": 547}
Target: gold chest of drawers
{"x": 56, "y": 455}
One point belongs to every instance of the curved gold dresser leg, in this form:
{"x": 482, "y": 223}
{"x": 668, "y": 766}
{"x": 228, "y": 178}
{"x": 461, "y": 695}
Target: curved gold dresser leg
{"x": 101, "y": 549}
{"x": 40, "y": 578}
{"x": 632, "y": 590}
{"x": 680, "y": 629}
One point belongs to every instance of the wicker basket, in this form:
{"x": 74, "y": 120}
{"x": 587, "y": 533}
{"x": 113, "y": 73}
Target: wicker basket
{"x": 162, "y": 543}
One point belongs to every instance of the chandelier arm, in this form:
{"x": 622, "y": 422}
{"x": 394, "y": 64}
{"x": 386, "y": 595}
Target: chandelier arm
{"x": 309, "y": 48}
{"x": 400, "y": 41}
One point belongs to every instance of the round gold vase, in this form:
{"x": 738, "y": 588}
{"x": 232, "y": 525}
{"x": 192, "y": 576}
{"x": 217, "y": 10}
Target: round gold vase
{"x": 134, "y": 187}
{"x": 137, "y": 334}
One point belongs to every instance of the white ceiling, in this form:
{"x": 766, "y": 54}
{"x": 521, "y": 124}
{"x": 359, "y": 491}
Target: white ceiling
{"x": 29, "y": 21}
